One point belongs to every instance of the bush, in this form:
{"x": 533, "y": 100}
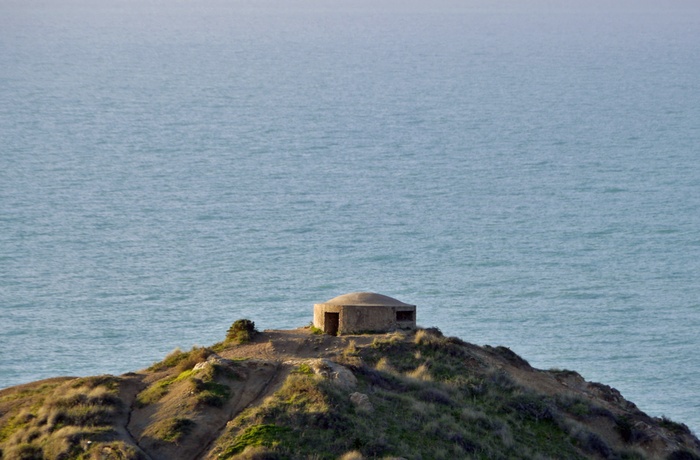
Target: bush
{"x": 682, "y": 455}
{"x": 592, "y": 443}
{"x": 26, "y": 452}
{"x": 210, "y": 393}
{"x": 435, "y": 395}
{"x": 154, "y": 392}
{"x": 241, "y": 331}
{"x": 509, "y": 355}
{"x": 171, "y": 430}
{"x": 303, "y": 368}
{"x": 628, "y": 432}
{"x": 182, "y": 360}
{"x": 674, "y": 427}
{"x": 533, "y": 407}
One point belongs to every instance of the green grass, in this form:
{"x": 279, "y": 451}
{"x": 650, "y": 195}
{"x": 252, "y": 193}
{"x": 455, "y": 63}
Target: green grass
{"x": 16, "y": 423}
{"x": 427, "y": 403}
{"x": 30, "y": 392}
{"x": 431, "y": 396}
{"x": 315, "y": 331}
{"x": 171, "y": 430}
{"x": 182, "y": 360}
{"x": 154, "y": 393}
{"x": 303, "y": 368}
{"x": 256, "y": 435}
{"x": 52, "y": 421}
{"x": 210, "y": 393}
{"x": 674, "y": 427}
{"x": 205, "y": 390}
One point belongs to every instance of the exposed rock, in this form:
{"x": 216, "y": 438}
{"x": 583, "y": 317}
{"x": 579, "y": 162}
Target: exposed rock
{"x": 361, "y": 401}
{"x": 213, "y": 360}
{"x": 339, "y": 375}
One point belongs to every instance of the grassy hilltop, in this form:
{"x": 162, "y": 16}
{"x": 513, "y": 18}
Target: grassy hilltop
{"x": 302, "y": 395}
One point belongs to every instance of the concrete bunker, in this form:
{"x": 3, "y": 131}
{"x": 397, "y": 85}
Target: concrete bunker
{"x": 363, "y": 312}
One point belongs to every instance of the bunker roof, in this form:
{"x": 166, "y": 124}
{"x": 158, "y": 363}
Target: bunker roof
{"x": 366, "y": 299}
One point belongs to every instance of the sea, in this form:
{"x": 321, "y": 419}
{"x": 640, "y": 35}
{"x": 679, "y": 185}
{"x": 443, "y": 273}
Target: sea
{"x": 526, "y": 172}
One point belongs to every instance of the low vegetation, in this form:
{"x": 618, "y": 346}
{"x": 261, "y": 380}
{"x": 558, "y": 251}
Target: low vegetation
{"x": 182, "y": 360}
{"x": 170, "y": 430}
{"x": 241, "y": 331}
{"x": 200, "y": 382}
{"x": 417, "y": 395}
{"x": 431, "y": 397}
{"x": 67, "y": 420}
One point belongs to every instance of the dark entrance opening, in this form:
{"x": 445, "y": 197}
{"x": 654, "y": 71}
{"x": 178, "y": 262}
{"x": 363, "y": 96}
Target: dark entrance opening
{"x": 404, "y": 316}
{"x": 331, "y": 321}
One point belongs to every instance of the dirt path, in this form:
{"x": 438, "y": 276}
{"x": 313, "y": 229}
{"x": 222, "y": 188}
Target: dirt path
{"x": 131, "y": 385}
{"x": 262, "y": 367}
{"x": 282, "y": 346}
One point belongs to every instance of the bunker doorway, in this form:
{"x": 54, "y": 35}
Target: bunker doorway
{"x": 331, "y": 321}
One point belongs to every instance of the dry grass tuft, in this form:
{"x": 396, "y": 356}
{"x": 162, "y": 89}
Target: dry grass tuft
{"x": 351, "y": 355}
{"x": 181, "y": 360}
{"x": 428, "y": 337}
{"x": 384, "y": 365}
{"x": 421, "y": 373}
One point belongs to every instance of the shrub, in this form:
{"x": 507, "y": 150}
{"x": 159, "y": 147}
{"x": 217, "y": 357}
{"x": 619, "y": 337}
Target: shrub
{"x": 421, "y": 373}
{"x": 80, "y": 415}
{"x": 241, "y": 331}
{"x": 509, "y": 355}
{"x": 171, "y": 430}
{"x": 302, "y": 391}
{"x": 674, "y": 427}
{"x": 592, "y": 443}
{"x": 628, "y": 432}
{"x": 108, "y": 381}
{"x": 16, "y": 423}
{"x": 65, "y": 443}
{"x": 303, "y": 368}
{"x": 170, "y": 360}
{"x": 384, "y": 365}
{"x": 575, "y": 405}
{"x": 682, "y": 454}
{"x": 501, "y": 380}
{"x": 154, "y": 393}
{"x": 195, "y": 356}
{"x": 210, "y": 393}
{"x": 25, "y": 452}
{"x": 258, "y": 453}
{"x": 532, "y": 406}
{"x": 351, "y": 350}
{"x": 428, "y": 337}
{"x": 350, "y": 357}
{"x": 564, "y": 373}
{"x": 97, "y": 396}
{"x": 183, "y": 360}
{"x": 435, "y": 395}
{"x": 116, "y": 450}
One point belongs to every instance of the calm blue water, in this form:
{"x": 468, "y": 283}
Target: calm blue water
{"x": 528, "y": 174}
